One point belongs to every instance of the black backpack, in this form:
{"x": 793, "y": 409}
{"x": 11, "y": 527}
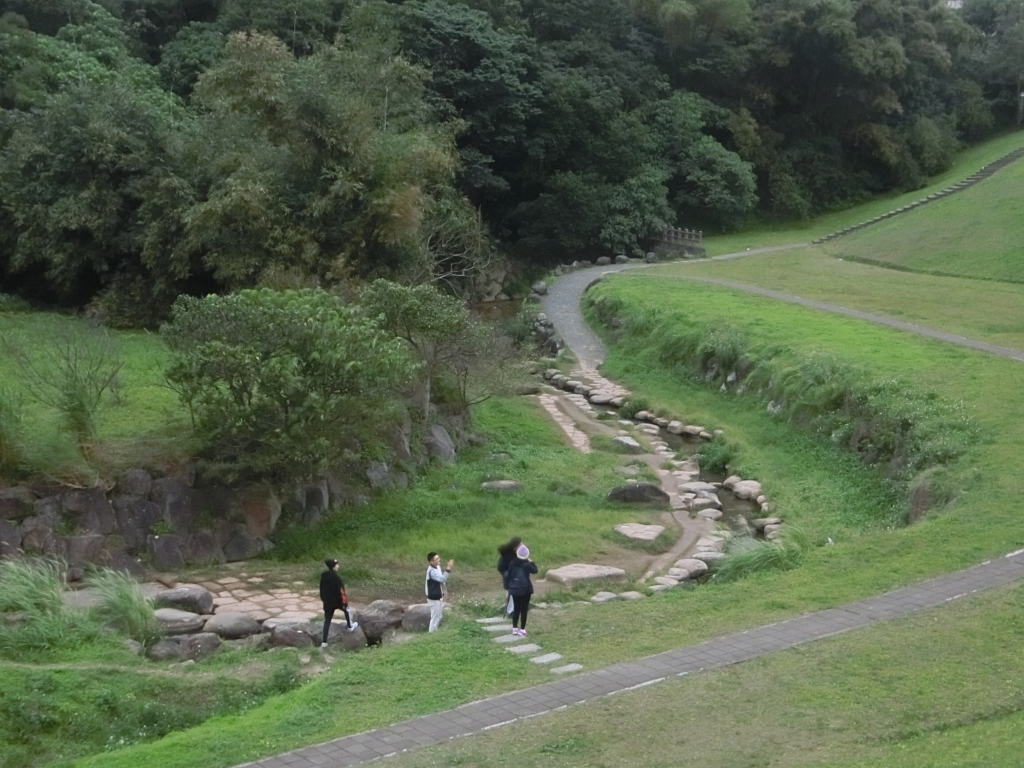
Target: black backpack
{"x": 518, "y": 579}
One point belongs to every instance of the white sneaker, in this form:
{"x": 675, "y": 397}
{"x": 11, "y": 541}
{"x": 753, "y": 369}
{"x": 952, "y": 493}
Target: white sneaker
{"x": 323, "y": 645}
{"x": 355, "y": 625}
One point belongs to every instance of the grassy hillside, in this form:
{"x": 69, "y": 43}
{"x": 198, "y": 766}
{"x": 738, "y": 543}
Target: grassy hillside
{"x": 967, "y": 162}
{"x": 983, "y": 310}
{"x": 974, "y": 233}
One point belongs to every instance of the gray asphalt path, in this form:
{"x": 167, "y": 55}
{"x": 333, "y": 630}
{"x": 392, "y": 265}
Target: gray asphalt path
{"x": 562, "y": 306}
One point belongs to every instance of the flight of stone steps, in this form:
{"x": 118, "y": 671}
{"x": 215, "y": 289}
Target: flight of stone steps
{"x": 970, "y": 181}
{"x": 502, "y": 629}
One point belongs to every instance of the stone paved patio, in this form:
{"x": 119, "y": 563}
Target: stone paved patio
{"x": 478, "y": 716}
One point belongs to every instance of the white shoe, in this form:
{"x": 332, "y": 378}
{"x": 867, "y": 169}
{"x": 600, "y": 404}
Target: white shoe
{"x": 323, "y": 645}
{"x": 355, "y": 625}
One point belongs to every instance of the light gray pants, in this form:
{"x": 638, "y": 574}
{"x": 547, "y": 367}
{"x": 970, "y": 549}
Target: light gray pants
{"x": 436, "y": 611}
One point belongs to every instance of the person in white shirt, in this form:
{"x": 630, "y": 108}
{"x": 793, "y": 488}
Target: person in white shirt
{"x": 435, "y": 587}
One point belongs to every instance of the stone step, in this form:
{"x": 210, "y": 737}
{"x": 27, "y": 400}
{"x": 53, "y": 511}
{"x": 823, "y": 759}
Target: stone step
{"x": 528, "y": 648}
{"x": 492, "y": 620}
{"x": 547, "y": 658}
{"x": 567, "y": 668}
{"x": 506, "y": 639}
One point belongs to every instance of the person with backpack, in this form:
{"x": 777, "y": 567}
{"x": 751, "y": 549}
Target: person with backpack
{"x": 517, "y": 580}
{"x": 332, "y": 595}
{"x": 507, "y": 553}
{"x": 434, "y": 587}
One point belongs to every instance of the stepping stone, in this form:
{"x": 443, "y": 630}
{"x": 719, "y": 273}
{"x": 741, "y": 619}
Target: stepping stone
{"x": 547, "y": 658}
{"x": 497, "y": 628}
{"x": 667, "y": 581}
{"x": 570, "y": 574}
{"x": 631, "y": 595}
{"x": 509, "y": 638}
{"x": 656, "y": 588}
{"x": 492, "y": 620}
{"x": 640, "y": 532}
{"x": 567, "y": 668}
{"x": 528, "y": 648}
{"x": 604, "y": 597}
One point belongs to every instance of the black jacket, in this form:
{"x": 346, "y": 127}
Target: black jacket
{"x": 332, "y": 590}
{"x": 517, "y": 577}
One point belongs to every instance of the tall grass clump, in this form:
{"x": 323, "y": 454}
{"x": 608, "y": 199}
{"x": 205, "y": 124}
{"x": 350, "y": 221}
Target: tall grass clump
{"x": 746, "y": 556}
{"x": 31, "y": 594}
{"x": 12, "y": 458}
{"x": 123, "y": 607}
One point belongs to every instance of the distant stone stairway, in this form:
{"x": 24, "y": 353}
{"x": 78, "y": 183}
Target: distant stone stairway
{"x": 970, "y": 181}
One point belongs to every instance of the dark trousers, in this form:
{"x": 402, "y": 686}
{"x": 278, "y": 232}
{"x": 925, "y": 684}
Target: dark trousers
{"x": 520, "y": 606}
{"x": 329, "y": 614}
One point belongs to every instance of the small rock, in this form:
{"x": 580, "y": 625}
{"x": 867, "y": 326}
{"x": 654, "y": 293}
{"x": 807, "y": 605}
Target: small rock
{"x": 628, "y": 443}
{"x": 631, "y": 595}
{"x": 667, "y": 581}
{"x": 747, "y": 489}
{"x": 710, "y": 514}
{"x": 604, "y": 597}
{"x": 502, "y": 486}
{"x": 759, "y": 523}
{"x": 201, "y": 645}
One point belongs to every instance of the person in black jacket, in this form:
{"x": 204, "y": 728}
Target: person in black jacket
{"x": 517, "y": 580}
{"x": 507, "y": 553}
{"x": 332, "y": 595}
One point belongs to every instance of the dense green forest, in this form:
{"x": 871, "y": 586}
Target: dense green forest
{"x": 158, "y": 147}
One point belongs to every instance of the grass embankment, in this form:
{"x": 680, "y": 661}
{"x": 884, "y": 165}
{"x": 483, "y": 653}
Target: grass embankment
{"x": 967, "y": 162}
{"x": 939, "y": 688}
{"x": 139, "y": 420}
{"x": 982, "y": 310}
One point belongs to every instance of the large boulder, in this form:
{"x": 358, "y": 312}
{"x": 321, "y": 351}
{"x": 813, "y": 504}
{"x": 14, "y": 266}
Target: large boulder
{"x": 287, "y": 636}
{"x": 91, "y": 511}
{"x": 339, "y": 635}
{"x": 638, "y": 493}
{"x": 168, "y": 649}
{"x": 165, "y": 549}
{"x": 439, "y": 443}
{"x": 174, "y": 621}
{"x": 135, "y": 482}
{"x": 629, "y": 443}
{"x": 379, "y": 476}
{"x": 174, "y": 497}
{"x": 10, "y": 538}
{"x": 260, "y": 509}
{"x": 16, "y": 503}
{"x": 313, "y": 499}
{"x": 232, "y": 626}
{"x": 37, "y": 534}
{"x": 747, "y": 489}
{"x": 242, "y": 546}
{"x": 84, "y": 548}
{"x": 540, "y": 288}
{"x": 416, "y": 618}
{"x": 200, "y": 645}
{"x": 571, "y": 574}
{"x": 195, "y": 599}
{"x": 203, "y": 548}
{"x": 135, "y": 518}
{"x": 693, "y": 567}
{"x": 378, "y": 616}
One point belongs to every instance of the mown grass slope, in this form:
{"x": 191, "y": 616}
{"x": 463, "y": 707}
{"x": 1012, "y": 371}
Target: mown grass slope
{"x": 767, "y": 235}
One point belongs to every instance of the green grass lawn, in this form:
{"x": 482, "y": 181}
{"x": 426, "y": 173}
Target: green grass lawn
{"x": 939, "y": 688}
{"x": 983, "y": 310}
{"x": 974, "y": 233}
{"x": 767, "y": 235}
{"x": 141, "y": 421}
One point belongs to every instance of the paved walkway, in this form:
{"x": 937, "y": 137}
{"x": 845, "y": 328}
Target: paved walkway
{"x": 483, "y": 715}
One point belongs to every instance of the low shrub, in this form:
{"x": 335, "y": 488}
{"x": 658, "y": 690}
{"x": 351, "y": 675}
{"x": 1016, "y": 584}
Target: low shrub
{"x": 632, "y": 406}
{"x": 716, "y": 455}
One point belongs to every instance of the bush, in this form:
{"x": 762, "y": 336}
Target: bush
{"x": 715, "y": 456}
{"x": 632, "y": 406}
{"x": 123, "y": 606}
{"x": 275, "y": 380}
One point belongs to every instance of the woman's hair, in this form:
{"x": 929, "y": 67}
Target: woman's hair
{"x": 509, "y": 548}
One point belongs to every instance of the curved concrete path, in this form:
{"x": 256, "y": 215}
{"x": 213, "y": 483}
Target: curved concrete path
{"x": 563, "y": 300}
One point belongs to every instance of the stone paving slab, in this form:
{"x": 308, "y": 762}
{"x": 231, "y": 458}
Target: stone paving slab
{"x": 477, "y": 716}
{"x": 528, "y": 648}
